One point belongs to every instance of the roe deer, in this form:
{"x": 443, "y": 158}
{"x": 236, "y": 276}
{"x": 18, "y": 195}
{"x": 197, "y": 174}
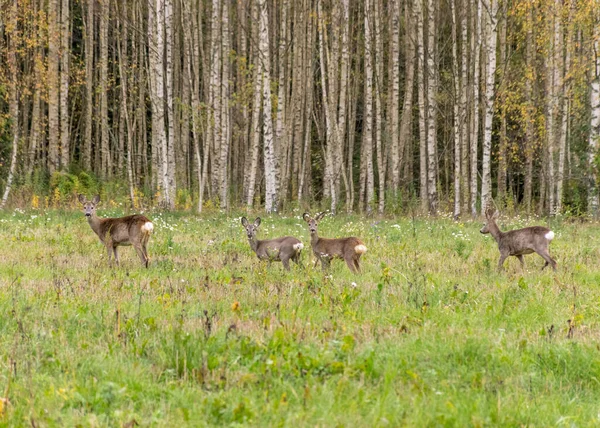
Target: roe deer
{"x": 278, "y": 249}
{"x": 130, "y": 230}
{"x": 519, "y": 242}
{"x": 325, "y": 249}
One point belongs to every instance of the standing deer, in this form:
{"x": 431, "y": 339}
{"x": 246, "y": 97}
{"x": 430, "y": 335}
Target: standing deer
{"x": 279, "y": 249}
{"x": 130, "y": 230}
{"x": 519, "y": 242}
{"x": 325, "y": 249}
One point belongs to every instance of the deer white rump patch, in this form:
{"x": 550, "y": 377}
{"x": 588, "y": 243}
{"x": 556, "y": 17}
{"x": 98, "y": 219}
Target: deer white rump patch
{"x": 147, "y": 227}
{"x": 360, "y": 249}
{"x": 549, "y": 236}
{"x": 299, "y": 246}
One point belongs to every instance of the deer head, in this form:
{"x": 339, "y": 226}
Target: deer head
{"x": 313, "y": 222}
{"x": 89, "y": 207}
{"x": 490, "y": 215}
{"x": 251, "y": 228}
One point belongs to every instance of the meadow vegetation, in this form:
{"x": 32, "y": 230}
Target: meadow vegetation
{"x": 429, "y": 334}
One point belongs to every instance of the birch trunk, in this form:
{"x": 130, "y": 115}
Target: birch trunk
{"x": 418, "y": 10}
{"x": 270, "y": 155}
{"x": 53, "y": 86}
{"x": 431, "y": 109}
{"x": 224, "y": 103}
{"x": 367, "y": 144}
{"x": 566, "y": 94}
{"x": 169, "y": 148}
{"x": 405, "y": 142}
{"x": 65, "y": 52}
{"x": 379, "y": 119}
{"x": 395, "y": 96}
{"x": 13, "y": 103}
{"x": 464, "y": 112}
{"x": 256, "y": 111}
{"x": 594, "y": 125}
{"x": 89, "y": 86}
{"x": 529, "y": 127}
{"x": 490, "y": 81}
{"x": 456, "y": 116}
{"x": 475, "y": 47}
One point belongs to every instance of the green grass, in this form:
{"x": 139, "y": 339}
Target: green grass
{"x": 429, "y": 335}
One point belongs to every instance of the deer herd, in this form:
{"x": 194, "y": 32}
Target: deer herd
{"x": 135, "y": 230}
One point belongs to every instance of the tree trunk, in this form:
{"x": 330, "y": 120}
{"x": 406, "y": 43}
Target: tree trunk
{"x": 421, "y": 75}
{"x": 431, "y": 109}
{"x": 594, "y": 123}
{"x": 490, "y": 81}
{"x": 366, "y": 168}
{"x": 64, "y": 83}
{"x": 270, "y": 155}
{"x": 13, "y": 103}
{"x": 456, "y": 116}
{"x": 529, "y": 127}
{"x": 53, "y": 86}
{"x": 379, "y": 114}
{"x": 475, "y": 64}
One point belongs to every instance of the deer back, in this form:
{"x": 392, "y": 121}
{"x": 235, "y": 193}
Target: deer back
{"x": 340, "y": 247}
{"x": 278, "y": 247}
{"x": 529, "y": 238}
{"x": 123, "y": 230}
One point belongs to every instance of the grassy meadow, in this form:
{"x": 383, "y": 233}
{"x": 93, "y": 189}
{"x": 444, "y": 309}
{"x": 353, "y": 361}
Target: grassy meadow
{"x": 429, "y": 335}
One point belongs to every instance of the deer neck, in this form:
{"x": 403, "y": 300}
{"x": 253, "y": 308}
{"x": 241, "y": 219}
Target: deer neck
{"x": 94, "y": 221}
{"x": 253, "y": 243}
{"x": 314, "y": 238}
{"x": 495, "y": 230}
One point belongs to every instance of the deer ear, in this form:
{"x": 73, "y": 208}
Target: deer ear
{"x": 96, "y": 200}
{"x": 257, "y": 222}
{"x": 306, "y": 217}
{"x": 321, "y": 215}
{"x": 81, "y": 198}
{"x": 495, "y": 215}
{"x": 244, "y": 222}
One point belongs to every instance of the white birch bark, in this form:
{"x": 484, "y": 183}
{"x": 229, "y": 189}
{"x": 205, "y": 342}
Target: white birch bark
{"x": 395, "y": 96}
{"x": 421, "y": 75}
{"x": 379, "y": 60}
{"x": 103, "y": 65}
{"x": 431, "y": 109}
{"x": 491, "y": 12}
{"x": 225, "y": 128}
{"x": 456, "y": 114}
{"x": 13, "y": 103}
{"x": 256, "y": 111}
{"x": 476, "y": 49}
{"x": 53, "y": 86}
{"x": 367, "y": 144}
{"x": 270, "y": 155}
{"x": 89, "y": 86}
{"x": 594, "y": 124}
{"x": 169, "y": 148}
{"x": 65, "y": 53}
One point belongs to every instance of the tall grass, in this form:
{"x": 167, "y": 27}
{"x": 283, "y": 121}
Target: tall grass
{"x": 429, "y": 334}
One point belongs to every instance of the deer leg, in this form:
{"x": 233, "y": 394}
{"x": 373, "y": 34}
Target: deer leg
{"x": 351, "y": 266}
{"x": 520, "y": 257}
{"x": 549, "y": 260}
{"x": 140, "y": 252}
{"x": 109, "y": 250}
{"x": 286, "y": 263}
{"x": 116, "y": 254}
{"x": 501, "y": 261}
{"x": 357, "y": 264}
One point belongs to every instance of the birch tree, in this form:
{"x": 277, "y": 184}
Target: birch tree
{"x": 270, "y": 156}
{"x": 491, "y": 38}
{"x": 592, "y": 154}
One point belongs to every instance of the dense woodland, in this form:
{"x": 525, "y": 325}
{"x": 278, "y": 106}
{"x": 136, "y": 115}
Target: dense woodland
{"x": 369, "y": 105}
